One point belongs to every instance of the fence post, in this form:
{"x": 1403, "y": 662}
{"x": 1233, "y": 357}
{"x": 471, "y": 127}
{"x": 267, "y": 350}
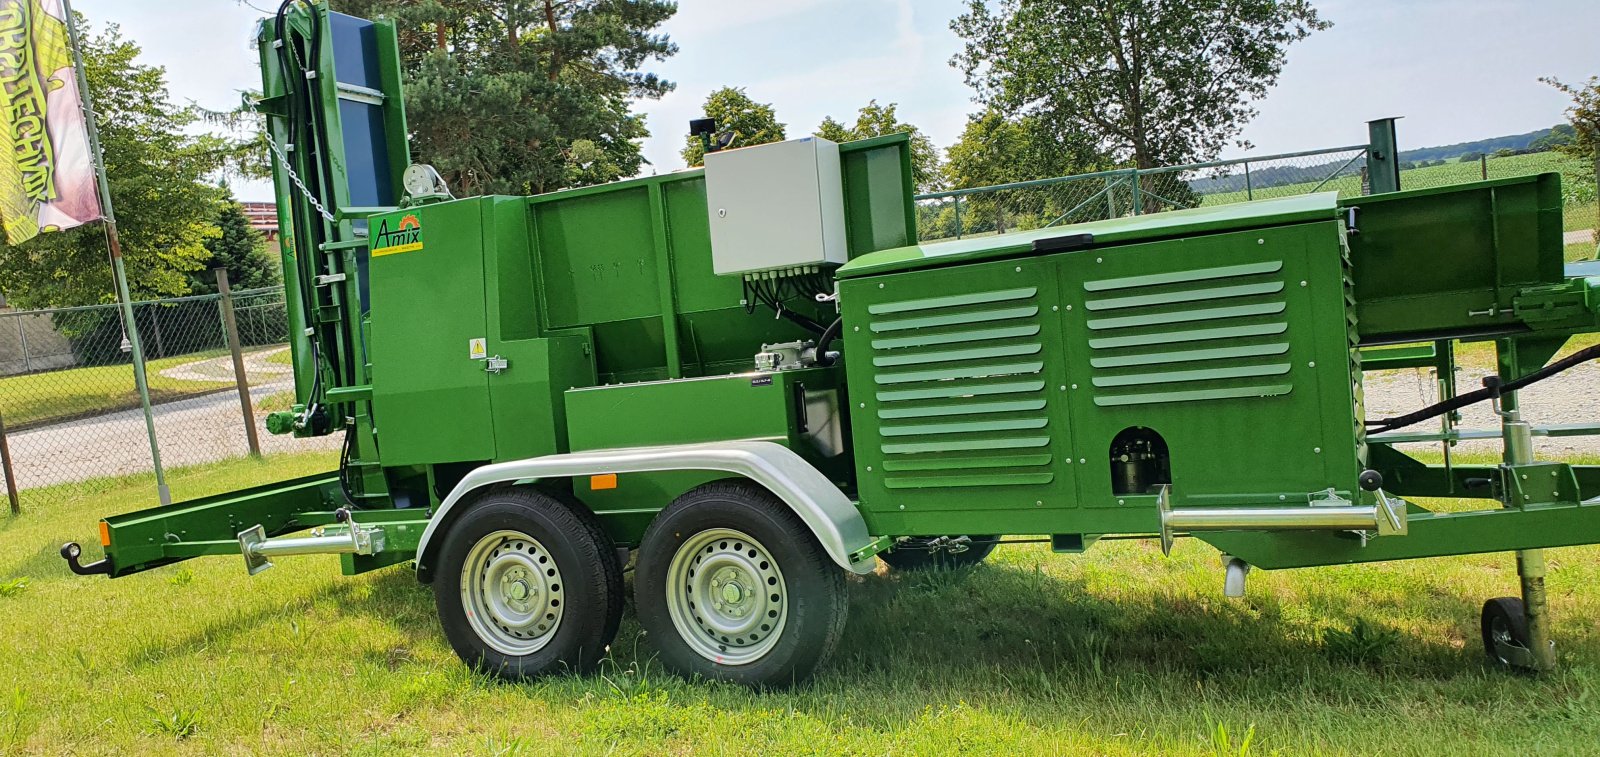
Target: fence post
{"x": 22, "y": 336}
{"x": 958, "y": 216}
{"x": 10, "y": 474}
{"x": 1138, "y": 200}
{"x": 1483, "y": 166}
{"x": 1383, "y": 156}
{"x": 1249, "y": 191}
{"x": 232, "y": 327}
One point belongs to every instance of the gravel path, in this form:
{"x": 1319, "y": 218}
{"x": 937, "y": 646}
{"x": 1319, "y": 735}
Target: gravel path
{"x": 1570, "y": 397}
{"x": 192, "y": 431}
{"x": 1578, "y": 237}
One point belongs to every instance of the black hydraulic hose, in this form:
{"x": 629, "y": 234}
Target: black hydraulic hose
{"x": 801, "y": 320}
{"x": 826, "y": 340}
{"x": 1488, "y": 392}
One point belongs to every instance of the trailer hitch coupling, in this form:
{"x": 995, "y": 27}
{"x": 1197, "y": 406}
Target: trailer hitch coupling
{"x": 350, "y": 539}
{"x": 71, "y": 552}
{"x": 1387, "y": 516}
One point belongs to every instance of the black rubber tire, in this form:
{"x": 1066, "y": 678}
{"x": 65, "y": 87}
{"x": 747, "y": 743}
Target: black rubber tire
{"x": 582, "y": 552}
{"x": 817, "y": 604}
{"x": 1504, "y": 615}
{"x": 910, "y": 556}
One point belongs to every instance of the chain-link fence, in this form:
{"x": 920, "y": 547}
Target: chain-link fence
{"x": 71, "y": 411}
{"x": 1579, "y": 212}
{"x": 1126, "y": 192}
{"x": 1112, "y": 194}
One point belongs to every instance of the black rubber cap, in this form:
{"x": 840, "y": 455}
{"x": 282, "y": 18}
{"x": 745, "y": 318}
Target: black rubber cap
{"x": 1370, "y": 480}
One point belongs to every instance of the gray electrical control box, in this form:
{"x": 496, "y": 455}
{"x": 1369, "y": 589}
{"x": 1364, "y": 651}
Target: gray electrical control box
{"x": 776, "y": 207}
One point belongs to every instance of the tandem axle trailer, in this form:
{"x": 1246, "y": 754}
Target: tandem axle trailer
{"x": 754, "y": 379}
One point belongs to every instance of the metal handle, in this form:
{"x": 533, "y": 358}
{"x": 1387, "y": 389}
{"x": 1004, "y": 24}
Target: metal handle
{"x": 496, "y": 364}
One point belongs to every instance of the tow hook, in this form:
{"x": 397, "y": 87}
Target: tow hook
{"x": 71, "y": 552}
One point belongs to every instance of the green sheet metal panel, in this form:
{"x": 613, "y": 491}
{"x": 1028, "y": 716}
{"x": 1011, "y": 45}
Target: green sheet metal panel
{"x": 1234, "y": 347}
{"x": 879, "y": 197}
{"x": 1169, "y": 225}
{"x": 1478, "y": 244}
{"x": 990, "y": 393}
{"x": 688, "y": 411}
{"x": 955, "y": 410}
{"x": 430, "y": 396}
{"x": 597, "y": 257}
{"x": 529, "y": 415}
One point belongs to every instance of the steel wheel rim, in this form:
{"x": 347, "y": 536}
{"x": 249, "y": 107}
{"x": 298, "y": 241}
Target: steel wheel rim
{"x": 727, "y": 597}
{"x": 511, "y": 592}
{"x": 1500, "y": 636}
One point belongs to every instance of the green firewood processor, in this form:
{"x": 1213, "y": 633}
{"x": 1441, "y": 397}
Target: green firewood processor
{"x": 750, "y": 380}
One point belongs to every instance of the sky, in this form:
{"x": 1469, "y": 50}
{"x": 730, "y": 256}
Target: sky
{"x": 1456, "y": 70}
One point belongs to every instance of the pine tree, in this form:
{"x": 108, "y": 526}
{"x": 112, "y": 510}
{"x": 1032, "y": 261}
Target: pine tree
{"x": 241, "y": 250}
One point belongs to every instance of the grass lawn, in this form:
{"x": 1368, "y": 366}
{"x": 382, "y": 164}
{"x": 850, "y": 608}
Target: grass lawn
{"x": 1117, "y": 651}
{"x": 41, "y": 397}
{"x": 281, "y": 357}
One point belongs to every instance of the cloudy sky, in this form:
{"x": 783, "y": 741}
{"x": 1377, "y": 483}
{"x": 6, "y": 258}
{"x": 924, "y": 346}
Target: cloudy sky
{"x": 1457, "y": 70}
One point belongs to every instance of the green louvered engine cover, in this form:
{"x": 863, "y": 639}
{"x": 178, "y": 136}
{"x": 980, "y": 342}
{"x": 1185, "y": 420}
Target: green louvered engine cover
{"x": 999, "y": 386}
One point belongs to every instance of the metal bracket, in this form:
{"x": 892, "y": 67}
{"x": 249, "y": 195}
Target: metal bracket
{"x": 496, "y": 364}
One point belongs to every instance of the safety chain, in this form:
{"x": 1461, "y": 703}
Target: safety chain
{"x": 283, "y": 160}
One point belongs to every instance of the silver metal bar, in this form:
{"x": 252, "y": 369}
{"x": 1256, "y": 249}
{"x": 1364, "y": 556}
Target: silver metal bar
{"x": 350, "y": 539}
{"x": 1347, "y": 518}
{"x": 359, "y": 94}
{"x": 1386, "y": 517}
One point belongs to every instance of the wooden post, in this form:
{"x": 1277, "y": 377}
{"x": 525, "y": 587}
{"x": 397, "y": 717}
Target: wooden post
{"x": 10, "y": 474}
{"x": 232, "y": 327}
{"x": 1483, "y": 165}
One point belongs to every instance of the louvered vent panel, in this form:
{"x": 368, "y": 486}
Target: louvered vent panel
{"x": 960, "y": 384}
{"x": 1183, "y": 336}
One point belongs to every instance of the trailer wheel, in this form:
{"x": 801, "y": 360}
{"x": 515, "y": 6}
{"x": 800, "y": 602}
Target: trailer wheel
{"x": 1505, "y": 634}
{"x": 528, "y": 585}
{"x": 731, "y": 585}
{"x": 912, "y": 554}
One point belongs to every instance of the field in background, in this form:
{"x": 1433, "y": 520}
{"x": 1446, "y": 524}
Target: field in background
{"x": 1579, "y": 213}
{"x": 1117, "y": 651}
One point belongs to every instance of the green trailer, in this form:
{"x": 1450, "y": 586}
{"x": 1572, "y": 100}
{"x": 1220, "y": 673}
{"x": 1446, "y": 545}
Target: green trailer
{"x": 749, "y": 380}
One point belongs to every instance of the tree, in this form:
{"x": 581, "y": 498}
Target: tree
{"x": 750, "y": 123}
{"x": 527, "y": 96}
{"x": 1582, "y": 140}
{"x": 1146, "y": 82}
{"x": 240, "y": 249}
{"x": 1584, "y": 116}
{"x": 876, "y": 120}
{"x": 165, "y": 208}
{"x": 993, "y": 150}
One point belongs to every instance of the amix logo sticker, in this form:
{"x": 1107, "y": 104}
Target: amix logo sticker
{"x": 406, "y": 237}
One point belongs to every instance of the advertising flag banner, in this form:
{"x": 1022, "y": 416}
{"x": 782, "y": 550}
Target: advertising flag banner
{"x": 47, "y": 175}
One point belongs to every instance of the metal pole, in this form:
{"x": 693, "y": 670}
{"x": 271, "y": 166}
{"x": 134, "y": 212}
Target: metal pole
{"x": 119, "y": 273}
{"x": 1483, "y": 166}
{"x": 231, "y": 325}
{"x": 22, "y": 335}
{"x": 958, "y": 216}
{"x": 1517, "y": 435}
{"x": 1133, "y": 184}
{"x": 1249, "y": 191}
{"x": 11, "y": 475}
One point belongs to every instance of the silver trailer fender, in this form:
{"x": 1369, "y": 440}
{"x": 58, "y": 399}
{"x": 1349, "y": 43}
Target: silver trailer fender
{"x": 830, "y": 515}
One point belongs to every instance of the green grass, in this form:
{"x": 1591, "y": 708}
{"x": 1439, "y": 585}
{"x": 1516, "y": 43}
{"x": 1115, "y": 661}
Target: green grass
{"x": 38, "y": 398}
{"x": 1118, "y": 651}
{"x": 282, "y": 357}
